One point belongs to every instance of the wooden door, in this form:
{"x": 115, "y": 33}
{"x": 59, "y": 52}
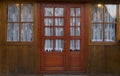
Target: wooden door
{"x": 61, "y": 38}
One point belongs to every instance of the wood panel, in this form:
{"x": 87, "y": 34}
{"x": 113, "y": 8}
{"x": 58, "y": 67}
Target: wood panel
{"x": 104, "y": 59}
{"x": 22, "y": 59}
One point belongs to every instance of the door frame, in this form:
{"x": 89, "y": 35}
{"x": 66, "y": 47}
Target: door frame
{"x": 85, "y": 39}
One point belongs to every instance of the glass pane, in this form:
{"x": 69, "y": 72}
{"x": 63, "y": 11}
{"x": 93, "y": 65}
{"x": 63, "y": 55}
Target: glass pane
{"x": 48, "y": 31}
{"x": 97, "y": 32}
{"x": 59, "y": 45}
{"x": 77, "y": 11}
{"x": 13, "y": 32}
{"x": 110, "y": 13}
{"x": 77, "y": 31}
{"x": 97, "y": 14}
{"x": 59, "y": 21}
{"x": 110, "y": 32}
{"x": 72, "y": 22}
{"x": 48, "y": 47}
{"x": 48, "y": 11}
{"x": 77, "y": 21}
{"x": 72, "y": 45}
{"x": 27, "y": 13}
{"x": 27, "y": 32}
{"x": 13, "y": 13}
{"x": 77, "y": 45}
{"x": 48, "y": 21}
{"x": 59, "y": 11}
{"x": 72, "y": 12}
{"x": 72, "y": 31}
{"x": 59, "y": 31}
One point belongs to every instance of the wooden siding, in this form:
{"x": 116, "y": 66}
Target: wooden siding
{"x": 104, "y": 59}
{"x": 24, "y": 58}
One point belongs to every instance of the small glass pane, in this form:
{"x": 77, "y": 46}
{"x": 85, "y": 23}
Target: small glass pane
{"x": 13, "y": 13}
{"x": 59, "y": 45}
{"x": 59, "y": 21}
{"x": 13, "y": 32}
{"x": 72, "y": 22}
{"x": 48, "y": 47}
{"x": 77, "y": 11}
{"x": 48, "y": 31}
{"x": 48, "y": 21}
{"x": 72, "y": 45}
{"x": 71, "y": 31}
{"x": 59, "y": 11}
{"x": 110, "y": 13}
{"x": 97, "y": 14}
{"x": 109, "y": 32}
{"x": 77, "y": 21}
{"x": 97, "y": 32}
{"x": 59, "y": 31}
{"x": 27, "y": 13}
{"x": 48, "y": 11}
{"x": 72, "y": 12}
{"x": 27, "y": 32}
{"x": 77, "y": 45}
{"x": 78, "y": 31}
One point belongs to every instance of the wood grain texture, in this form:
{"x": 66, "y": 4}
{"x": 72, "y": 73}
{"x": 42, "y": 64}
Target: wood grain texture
{"x": 24, "y": 58}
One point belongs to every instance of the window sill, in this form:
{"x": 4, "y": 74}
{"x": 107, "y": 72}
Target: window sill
{"x": 103, "y": 43}
{"x": 19, "y": 43}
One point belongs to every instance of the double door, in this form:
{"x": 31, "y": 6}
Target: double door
{"x": 61, "y": 38}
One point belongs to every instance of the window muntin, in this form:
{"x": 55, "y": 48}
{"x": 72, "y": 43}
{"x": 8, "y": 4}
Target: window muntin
{"x": 104, "y": 23}
{"x": 53, "y": 29}
{"x": 75, "y": 29}
{"x": 20, "y": 22}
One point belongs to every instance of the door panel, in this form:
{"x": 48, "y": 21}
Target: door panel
{"x": 62, "y": 38}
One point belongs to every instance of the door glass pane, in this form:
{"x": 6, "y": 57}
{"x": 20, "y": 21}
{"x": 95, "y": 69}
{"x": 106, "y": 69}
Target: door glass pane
{"x": 72, "y": 22}
{"x": 77, "y": 21}
{"x": 59, "y": 32}
{"x": 27, "y": 13}
{"x": 72, "y": 45}
{"x": 97, "y": 32}
{"x": 110, "y": 13}
{"x": 77, "y": 31}
{"x": 59, "y": 21}
{"x": 48, "y": 31}
{"x": 13, "y": 13}
{"x": 77, "y": 11}
{"x": 48, "y": 21}
{"x": 77, "y": 45}
{"x": 59, "y": 11}
{"x": 110, "y": 32}
{"x": 13, "y": 32}
{"x": 48, "y": 47}
{"x": 97, "y": 14}
{"x": 72, "y": 31}
{"x": 59, "y": 45}
{"x": 72, "y": 12}
{"x": 27, "y": 32}
{"x": 48, "y": 11}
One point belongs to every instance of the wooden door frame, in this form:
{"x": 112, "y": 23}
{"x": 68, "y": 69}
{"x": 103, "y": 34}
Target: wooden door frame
{"x": 85, "y": 39}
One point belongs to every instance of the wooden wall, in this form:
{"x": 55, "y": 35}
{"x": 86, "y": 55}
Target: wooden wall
{"x": 104, "y": 59}
{"x": 23, "y": 58}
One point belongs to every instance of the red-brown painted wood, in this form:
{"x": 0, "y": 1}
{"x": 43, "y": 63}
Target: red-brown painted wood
{"x": 66, "y": 61}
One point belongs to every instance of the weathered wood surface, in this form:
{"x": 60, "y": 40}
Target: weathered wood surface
{"x": 23, "y": 59}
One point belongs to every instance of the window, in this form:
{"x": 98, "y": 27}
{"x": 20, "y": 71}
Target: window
{"x": 20, "y": 23}
{"x": 104, "y": 23}
{"x": 75, "y": 27}
{"x": 54, "y": 29}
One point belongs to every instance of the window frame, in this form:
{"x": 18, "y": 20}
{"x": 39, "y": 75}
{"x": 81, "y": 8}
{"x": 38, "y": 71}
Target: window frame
{"x": 91, "y": 23}
{"x": 20, "y": 23}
